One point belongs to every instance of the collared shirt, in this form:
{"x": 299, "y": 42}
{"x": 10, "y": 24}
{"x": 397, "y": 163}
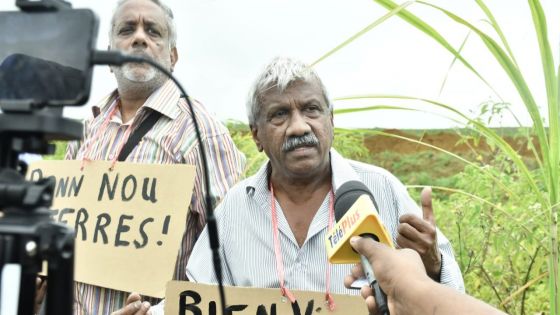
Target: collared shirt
{"x": 246, "y": 238}
{"x": 171, "y": 140}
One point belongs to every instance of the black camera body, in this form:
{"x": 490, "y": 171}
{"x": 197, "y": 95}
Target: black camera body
{"x": 43, "y": 5}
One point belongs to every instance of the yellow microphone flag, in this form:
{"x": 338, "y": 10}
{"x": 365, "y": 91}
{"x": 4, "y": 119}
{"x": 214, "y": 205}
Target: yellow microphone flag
{"x": 362, "y": 219}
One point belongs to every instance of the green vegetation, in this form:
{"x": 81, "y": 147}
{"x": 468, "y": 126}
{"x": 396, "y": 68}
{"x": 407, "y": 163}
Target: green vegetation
{"x": 499, "y": 238}
{"x": 59, "y": 153}
{"x": 507, "y": 187}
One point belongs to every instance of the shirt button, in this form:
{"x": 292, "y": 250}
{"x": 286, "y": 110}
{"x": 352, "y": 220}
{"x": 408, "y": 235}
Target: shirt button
{"x": 111, "y": 156}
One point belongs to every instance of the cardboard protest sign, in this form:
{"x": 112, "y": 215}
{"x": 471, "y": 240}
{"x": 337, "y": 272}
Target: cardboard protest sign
{"x": 188, "y": 298}
{"x": 129, "y": 222}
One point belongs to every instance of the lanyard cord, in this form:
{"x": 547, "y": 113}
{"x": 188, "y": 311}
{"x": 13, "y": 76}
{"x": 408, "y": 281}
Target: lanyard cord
{"x": 278, "y": 252}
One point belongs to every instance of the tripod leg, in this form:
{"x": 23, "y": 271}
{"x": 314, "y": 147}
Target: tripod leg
{"x": 27, "y": 294}
{"x": 17, "y": 279}
{"x": 60, "y": 288}
{"x": 10, "y": 277}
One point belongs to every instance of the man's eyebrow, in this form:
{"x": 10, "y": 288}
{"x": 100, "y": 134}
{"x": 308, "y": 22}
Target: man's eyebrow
{"x": 311, "y": 100}
{"x": 151, "y": 23}
{"x": 147, "y": 23}
{"x": 129, "y": 22}
{"x": 275, "y": 105}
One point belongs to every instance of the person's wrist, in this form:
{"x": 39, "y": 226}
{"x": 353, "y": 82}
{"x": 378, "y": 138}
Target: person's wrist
{"x": 410, "y": 294}
{"x": 409, "y": 283}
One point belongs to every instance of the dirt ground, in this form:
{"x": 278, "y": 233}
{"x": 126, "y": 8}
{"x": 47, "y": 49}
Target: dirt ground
{"x": 445, "y": 140}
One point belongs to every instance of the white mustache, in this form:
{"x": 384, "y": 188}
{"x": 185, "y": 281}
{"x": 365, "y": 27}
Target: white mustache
{"x": 294, "y": 142}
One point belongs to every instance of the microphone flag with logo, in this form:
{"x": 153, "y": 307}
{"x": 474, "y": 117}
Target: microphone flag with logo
{"x": 356, "y": 215}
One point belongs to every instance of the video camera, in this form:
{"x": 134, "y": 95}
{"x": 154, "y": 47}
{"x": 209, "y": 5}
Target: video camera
{"x": 45, "y": 63}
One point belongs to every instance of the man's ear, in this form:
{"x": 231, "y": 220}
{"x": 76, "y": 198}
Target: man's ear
{"x": 255, "y": 134}
{"x": 174, "y": 57}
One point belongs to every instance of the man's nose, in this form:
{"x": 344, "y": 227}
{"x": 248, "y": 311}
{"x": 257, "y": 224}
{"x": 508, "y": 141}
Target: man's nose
{"x": 298, "y": 125}
{"x": 139, "y": 38}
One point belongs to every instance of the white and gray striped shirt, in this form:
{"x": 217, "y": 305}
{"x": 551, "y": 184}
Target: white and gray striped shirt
{"x": 246, "y": 238}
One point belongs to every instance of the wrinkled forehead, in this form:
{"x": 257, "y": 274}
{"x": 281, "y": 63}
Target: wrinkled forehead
{"x": 296, "y": 91}
{"x": 140, "y": 11}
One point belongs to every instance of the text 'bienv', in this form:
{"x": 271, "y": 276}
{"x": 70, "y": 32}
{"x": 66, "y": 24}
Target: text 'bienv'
{"x": 112, "y": 186}
{"x": 189, "y": 302}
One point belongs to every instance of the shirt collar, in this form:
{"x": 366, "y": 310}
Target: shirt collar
{"x": 258, "y": 183}
{"x": 164, "y": 100}
{"x": 342, "y": 172}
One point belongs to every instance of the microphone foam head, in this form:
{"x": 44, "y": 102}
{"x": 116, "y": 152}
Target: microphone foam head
{"x": 356, "y": 214}
{"x": 346, "y": 196}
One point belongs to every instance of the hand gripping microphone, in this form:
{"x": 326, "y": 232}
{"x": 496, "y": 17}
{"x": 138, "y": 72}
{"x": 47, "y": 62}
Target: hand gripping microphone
{"x": 356, "y": 215}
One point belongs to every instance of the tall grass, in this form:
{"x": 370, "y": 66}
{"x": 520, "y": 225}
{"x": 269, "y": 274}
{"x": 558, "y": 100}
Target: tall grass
{"x": 544, "y": 183}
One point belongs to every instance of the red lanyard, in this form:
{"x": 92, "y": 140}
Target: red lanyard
{"x": 278, "y": 252}
{"x": 100, "y": 131}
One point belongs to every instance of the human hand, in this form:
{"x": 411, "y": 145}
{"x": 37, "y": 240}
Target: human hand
{"x": 134, "y": 306}
{"x": 395, "y": 270}
{"x": 420, "y": 234}
{"x": 40, "y": 293}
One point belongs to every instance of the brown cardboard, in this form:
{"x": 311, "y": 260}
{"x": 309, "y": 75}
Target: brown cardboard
{"x": 147, "y": 207}
{"x": 203, "y": 299}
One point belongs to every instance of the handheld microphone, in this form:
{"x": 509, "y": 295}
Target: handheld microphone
{"x": 356, "y": 215}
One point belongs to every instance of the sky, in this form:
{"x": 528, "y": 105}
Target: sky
{"x": 223, "y": 45}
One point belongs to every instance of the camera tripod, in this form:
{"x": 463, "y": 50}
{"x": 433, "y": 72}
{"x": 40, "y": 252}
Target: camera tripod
{"x": 28, "y": 234}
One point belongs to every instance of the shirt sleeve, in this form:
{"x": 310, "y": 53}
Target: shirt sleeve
{"x": 73, "y": 146}
{"x": 200, "y": 267}
{"x": 72, "y": 150}
{"x": 450, "y": 272}
{"x": 225, "y": 167}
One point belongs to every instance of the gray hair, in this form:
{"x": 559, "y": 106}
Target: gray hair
{"x": 172, "y": 30}
{"x": 279, "y": 74}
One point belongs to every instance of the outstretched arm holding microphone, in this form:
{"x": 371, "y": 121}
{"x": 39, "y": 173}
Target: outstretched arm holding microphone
{"x": 402, "y": 276}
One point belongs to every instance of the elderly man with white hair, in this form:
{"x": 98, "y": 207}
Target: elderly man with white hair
{"x": 273, "y": 224}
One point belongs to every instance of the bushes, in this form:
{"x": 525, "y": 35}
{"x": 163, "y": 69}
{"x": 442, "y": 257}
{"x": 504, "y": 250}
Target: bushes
{"x": 499, "y": 239}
